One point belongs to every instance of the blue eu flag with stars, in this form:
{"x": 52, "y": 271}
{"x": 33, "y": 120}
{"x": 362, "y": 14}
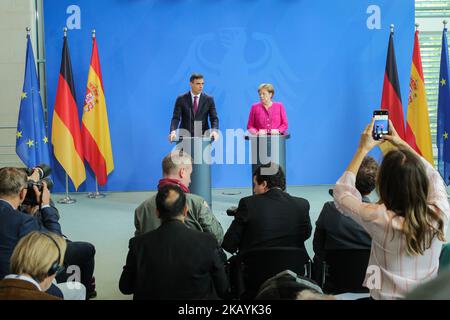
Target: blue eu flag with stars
{"x": 31, "y": 137}
{"x": 443, "y": 121}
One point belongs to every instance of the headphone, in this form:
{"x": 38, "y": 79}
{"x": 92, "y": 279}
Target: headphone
{"x": 55, "y": 268}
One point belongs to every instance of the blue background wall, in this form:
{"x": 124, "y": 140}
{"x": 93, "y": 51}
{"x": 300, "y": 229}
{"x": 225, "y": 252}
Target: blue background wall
{"x": 326, "y": 65}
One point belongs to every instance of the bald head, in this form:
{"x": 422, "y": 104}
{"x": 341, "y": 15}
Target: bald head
{"x": 178, "y": 165}
{"x": 170, "y": 202}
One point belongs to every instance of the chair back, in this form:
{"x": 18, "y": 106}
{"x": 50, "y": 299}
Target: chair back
{"x": 345, "y": 270}
{"x": 444, "y": 258}
{"x": 258, "y": 265}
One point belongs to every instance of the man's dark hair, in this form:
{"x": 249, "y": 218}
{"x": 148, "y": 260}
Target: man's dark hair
{"x": 12, "y": 181}
{"x": 285, "y": 286}
{"x": 276, "y": 180}
{"x": 367, "y": 176}
{"x": 195, "y": 76}
{"x": 170, "y": 202}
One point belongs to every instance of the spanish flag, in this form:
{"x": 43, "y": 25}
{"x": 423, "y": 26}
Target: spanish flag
{"x": 418, "y": 133}
{"x": 66, "y": 137}
{"x": 95, "y": 127}
{"x": 391, "y": 97}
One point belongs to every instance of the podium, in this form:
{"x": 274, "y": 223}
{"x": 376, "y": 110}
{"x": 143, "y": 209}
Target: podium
{"x": 199, "y": 148}
{"x": 268, "y": 148}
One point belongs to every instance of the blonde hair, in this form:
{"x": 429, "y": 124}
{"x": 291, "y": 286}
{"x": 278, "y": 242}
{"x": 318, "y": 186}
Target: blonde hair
{"x": 313, "y": 295}
{"x": 35, "y": 254}
{"x": 268, "y": 87}
{"x": 175, "y": 159}
{"x": 12, "y": 181}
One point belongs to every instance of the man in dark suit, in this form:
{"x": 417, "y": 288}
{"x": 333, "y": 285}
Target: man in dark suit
{"x": 173, "y": 261}
{"x": 335, "y": 231}
{"x": 15, "y": 224}
{"x": 269, "y": 218}
{"x": 193, "y": 109}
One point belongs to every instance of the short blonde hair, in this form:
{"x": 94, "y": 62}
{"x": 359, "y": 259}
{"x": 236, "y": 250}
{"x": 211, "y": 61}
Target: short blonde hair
{"x": 313, "y": 295}
{"x": 12, "y": 181}
{"x": 35, "y": 254}
{"x": 174, "y": 160}
{"x": 268, "y": 87}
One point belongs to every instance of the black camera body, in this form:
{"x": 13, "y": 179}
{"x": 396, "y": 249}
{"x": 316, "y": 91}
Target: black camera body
{"x": 44, "y": 171}
{"x": 232, "y": 211}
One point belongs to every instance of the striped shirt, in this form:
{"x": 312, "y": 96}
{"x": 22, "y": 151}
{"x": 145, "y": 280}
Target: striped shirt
{"x": 391, "y": 272}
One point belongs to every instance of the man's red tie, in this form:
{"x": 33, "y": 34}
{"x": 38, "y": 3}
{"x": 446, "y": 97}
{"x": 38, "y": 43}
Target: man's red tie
{"x": 195, "y": 104}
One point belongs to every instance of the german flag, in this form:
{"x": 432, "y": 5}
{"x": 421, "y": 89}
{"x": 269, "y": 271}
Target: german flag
{"x": 95, "y": 127}
{"x": 66, "y": 137}
{"x": 418, "y": 133}
{"x": 391, "y": 98}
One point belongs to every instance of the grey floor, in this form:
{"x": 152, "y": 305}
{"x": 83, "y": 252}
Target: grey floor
{"x": 108, "y": 224}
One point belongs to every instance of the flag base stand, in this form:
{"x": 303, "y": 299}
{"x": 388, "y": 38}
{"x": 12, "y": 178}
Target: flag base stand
{"x": 96, "y": 195}
{"x": 67, "y": 200}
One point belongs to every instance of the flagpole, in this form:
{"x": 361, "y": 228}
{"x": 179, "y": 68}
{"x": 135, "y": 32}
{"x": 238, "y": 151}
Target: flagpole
{"x": 67, "y": 199}
{"x": 96, "y": 194}
{"x": 445, "y": 30}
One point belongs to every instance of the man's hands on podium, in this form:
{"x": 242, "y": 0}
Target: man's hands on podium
{"x": 214, "y": 135}
{"x": 172, "y": 136}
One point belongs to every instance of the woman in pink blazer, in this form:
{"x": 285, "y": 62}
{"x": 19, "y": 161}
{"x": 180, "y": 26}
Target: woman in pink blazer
{"x": 267, "y": 116}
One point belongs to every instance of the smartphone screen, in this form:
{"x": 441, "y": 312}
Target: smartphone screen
{"x": 381, "y": 124}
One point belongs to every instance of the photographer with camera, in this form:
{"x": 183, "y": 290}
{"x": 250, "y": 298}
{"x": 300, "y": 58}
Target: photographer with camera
{"x": 15, "y": 224}
{"x": 78, "y": 253}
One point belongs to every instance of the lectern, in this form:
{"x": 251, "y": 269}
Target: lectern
{"x": 199, "y": 148}
{"x": 268, "y": 148}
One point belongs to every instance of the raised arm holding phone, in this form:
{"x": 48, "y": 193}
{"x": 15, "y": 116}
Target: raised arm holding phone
{"x": 407, "y": 225}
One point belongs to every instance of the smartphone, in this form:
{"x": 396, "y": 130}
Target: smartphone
{"x": 381, "y": 124}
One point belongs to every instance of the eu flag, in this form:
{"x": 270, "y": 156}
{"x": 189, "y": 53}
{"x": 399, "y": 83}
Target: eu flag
{"x": 443, "y": 122}
{"x": 31, "y": 137}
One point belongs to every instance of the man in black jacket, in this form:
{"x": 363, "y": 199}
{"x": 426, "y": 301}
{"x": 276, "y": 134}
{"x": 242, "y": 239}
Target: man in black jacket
{"x": 173, "y": 262}
{"x": 14, "y": 224}
{"x": 193, "y": 109}
{"x": 335, "y": 231}
{"x": 269, "y": 218}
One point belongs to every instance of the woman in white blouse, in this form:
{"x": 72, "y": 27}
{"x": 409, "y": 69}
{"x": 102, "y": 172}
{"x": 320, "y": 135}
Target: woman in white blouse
{"x": 408, "y": 223}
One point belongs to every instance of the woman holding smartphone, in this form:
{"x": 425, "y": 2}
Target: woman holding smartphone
{"x": 408, "y": 223}
{"x": 267, "y": 116}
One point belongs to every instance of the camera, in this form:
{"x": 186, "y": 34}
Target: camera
{"x": 44, "y": 172}
{"x": 231, "y": 211}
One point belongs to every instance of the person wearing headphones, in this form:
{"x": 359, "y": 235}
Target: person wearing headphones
{"x": 17, "y": 222}
{"x": 36, "y": 261}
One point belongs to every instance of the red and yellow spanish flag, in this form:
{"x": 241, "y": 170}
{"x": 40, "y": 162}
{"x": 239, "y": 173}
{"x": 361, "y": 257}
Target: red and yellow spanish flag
{"x": 66, "y": 137}
{"x": 95, "y": 127}
{"x": 391, "y": 98}
{"x": 418, "y": 133}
